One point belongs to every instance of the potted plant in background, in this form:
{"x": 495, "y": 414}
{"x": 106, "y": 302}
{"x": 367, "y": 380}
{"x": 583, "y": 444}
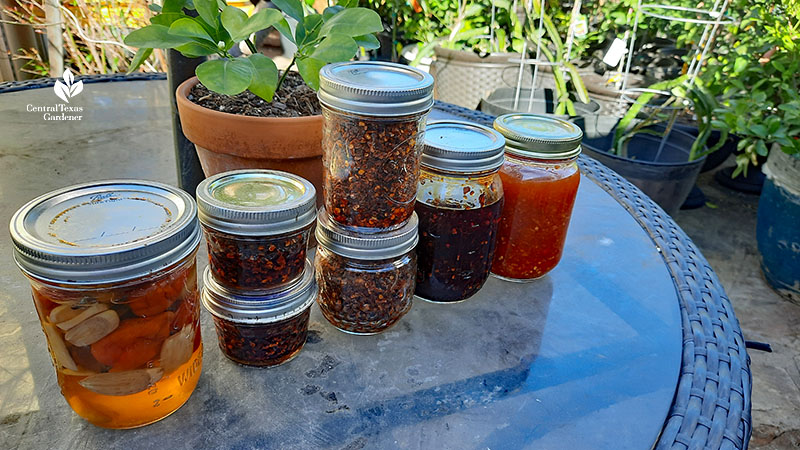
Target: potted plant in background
{"x": 759, "y": 88}
{"x": 241, "y": 112}
{"x": 471, "y": 43}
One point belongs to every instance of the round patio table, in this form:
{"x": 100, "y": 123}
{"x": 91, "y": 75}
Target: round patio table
{"x": 629, "y": 343}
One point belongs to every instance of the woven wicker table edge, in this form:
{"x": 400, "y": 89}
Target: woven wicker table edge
{"x": 711, "y": 408}
{"x": 36, "y": 83}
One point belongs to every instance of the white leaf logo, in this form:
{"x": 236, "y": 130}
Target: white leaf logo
{"x": 69, "y": 88}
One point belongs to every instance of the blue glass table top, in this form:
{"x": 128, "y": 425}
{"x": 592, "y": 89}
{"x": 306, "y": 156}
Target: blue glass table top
{"x": 586, "y": 357}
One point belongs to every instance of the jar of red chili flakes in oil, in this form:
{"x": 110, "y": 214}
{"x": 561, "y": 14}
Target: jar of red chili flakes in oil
{"x": 112, "y": 267}
{"x": 261, "y": 329}
{"x": 257, "y": 225}
{"x": 366, "y": 281}
{"x": 540, "y": 180}
{"x": 459, "y": 201}
{"x": 373, "y": 121}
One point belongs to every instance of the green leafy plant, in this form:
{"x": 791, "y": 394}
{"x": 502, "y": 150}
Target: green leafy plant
{"x": 756, "y": 75}
{"x": 335, "y": 35}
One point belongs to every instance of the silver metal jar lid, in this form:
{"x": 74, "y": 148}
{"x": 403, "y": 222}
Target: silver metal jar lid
{"x": 375, "y": 88}
{"x": 261, "y": 308}
{"x": 538, "y": 136}
{"x": 256, "y": 202}
{"x": 462, "y": 147}
{"x": 369, "y": 246}
{"x": 104, "y": 232}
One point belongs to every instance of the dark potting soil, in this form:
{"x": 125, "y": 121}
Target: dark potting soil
{"x": 294, "y": 99}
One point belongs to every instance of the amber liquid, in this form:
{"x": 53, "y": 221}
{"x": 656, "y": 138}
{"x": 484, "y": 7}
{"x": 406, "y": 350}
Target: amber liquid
{"x": 160, "y": 400}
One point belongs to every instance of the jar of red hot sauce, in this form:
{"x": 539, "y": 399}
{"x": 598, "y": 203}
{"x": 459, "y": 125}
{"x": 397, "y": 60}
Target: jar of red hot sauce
{"x": 112, "y": 268}
{"x": 540, "y": 180}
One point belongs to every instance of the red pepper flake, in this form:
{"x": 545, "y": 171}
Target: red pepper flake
{"x": 262, "y": 345}
{"x": 371, "y": 169}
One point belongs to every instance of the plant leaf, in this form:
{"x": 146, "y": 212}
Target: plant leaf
{"x": 188, "y": 27}
{"x": 368, "y": 41}
{"x": 154, "y": 36}
{"x": 166, "y": 19}
{"x": 331, "y": 11}
{"x": 226, "y": 76}
{"x": 208, "y": 10}
{"x": 283, "y": 27}
{"x": 241, "y": 27}
{"x": 292, "y": 8}
{"x": 195, "y": 50}
{"x": 265, "y": 76}
{"x": 353, "y": 22}
{"x": 172, "y": 6}
{"x": 347, "y": 3}
{"x": 309, "y": 70}
{"x": 140, "y": 57}
{"x": 334, "y": 48}
{"x": 309, "y": 28}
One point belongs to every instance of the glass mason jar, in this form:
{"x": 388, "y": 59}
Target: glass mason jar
{"x": 540, "y": 180}
{"x": 373, "y": 119}
{"x": 261, "y": 329}
{"x": 366, "y": 281}
{"x": 459, "y": 201}
{"x": 112, "y": 268}
{"x": 257, "y": 225}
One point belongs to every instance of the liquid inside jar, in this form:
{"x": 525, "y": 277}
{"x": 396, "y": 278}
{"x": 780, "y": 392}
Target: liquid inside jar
{"x": 125, "y": 355}
{"x": 266, "y": 344}
{"x": 259, "y": 263}
{"x": 371, "y": 168}
{"x": 364, "y": 297}
{"x": 455, "y": 250}
{"x": 539, "y": 197}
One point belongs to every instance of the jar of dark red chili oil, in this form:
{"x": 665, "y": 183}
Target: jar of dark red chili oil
{"x": 373, "y": 119}
{"x": 540, "y": 180}
{"x": 257, "y": 225}
{"x": 366, "y": 281}
{"x": 112, "y": 267}
{"x": 459, "y": 201}
{"x": 261, "y": 329}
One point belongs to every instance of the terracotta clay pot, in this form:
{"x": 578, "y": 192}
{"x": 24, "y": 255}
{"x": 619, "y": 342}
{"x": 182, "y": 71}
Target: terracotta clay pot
{"x": 230, "y": 141}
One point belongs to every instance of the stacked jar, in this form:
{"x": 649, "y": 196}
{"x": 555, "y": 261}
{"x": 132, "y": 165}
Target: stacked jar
{"x": 112, "y": 267}
{"x": 373, "y": 122}
{"x": 259, "y": 285}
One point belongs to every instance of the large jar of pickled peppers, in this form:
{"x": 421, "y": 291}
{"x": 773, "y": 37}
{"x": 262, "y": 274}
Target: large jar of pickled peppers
{"x": 112, "y": 267}
{"x": 366, "y": 280}
{"x": 540, "y": 180}
{"x": 459, "y": 201}
{"x": 373, "y": 119}
{"x": 257, "y": 225}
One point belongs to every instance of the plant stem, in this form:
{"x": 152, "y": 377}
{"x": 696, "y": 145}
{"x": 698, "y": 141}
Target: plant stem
{"x": 285, "y": 72}
{"x": 251, "y": 46}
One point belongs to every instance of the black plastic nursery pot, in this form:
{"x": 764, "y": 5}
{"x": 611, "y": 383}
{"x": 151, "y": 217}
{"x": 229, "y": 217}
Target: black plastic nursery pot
{"x": 666, "y": 176}
{"x": 501, "y": 101}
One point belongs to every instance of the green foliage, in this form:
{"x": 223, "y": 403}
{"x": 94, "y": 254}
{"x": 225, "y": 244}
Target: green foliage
{"x": 755, "y": 72}
{"x": 320, "y": 38}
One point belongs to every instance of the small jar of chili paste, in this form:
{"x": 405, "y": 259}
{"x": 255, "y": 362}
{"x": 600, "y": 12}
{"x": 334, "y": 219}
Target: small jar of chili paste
{"x": 112, "y": 268}
{"x": 261, "y": 329}
{"x": 373, "y": 120}
{"x": 257, "y": 225}
{"x": 366, "y": 281}
{"x": 540, "y": 180}
{"x": 459, "y": 201}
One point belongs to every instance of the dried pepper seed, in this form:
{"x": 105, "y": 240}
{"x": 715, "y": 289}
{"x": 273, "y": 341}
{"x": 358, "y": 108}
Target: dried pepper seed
{"x": 364, "y": 297}
{"x": 455, "y": 250}
{"x": 257, "y": 263}
{"x": 371, "y": 168}
{"x": 266, "y": 344}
